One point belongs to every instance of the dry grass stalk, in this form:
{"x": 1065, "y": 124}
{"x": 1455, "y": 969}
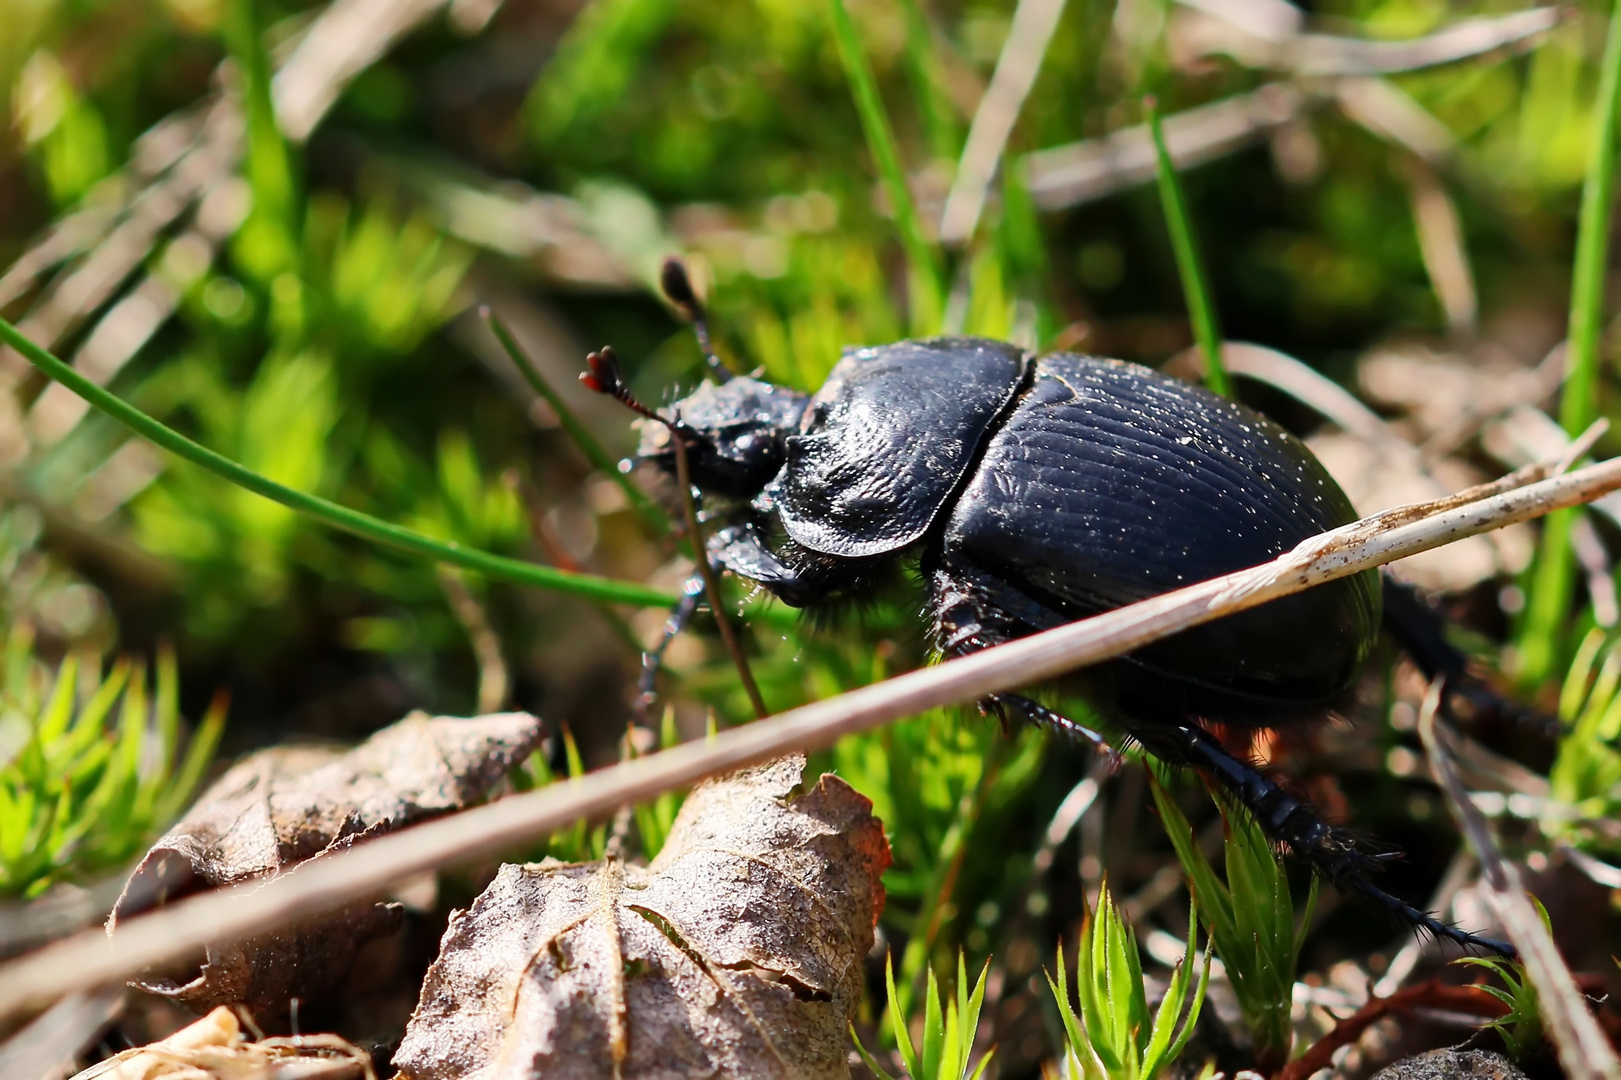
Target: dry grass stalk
{"x": 1584, "y": 1051}
{"x": 90, "y": 959}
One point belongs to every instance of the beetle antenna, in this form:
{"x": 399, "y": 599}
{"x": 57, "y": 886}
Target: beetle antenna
{"x": 678, "y": 288}
{"x": 607, "y": 377}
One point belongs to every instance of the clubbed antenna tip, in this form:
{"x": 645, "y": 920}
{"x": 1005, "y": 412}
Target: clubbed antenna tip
{"x": 677, "y": 285}
{"x": 607, "y": 377}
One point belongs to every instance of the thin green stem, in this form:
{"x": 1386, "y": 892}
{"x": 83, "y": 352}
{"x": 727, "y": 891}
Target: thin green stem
{"x": 923, "y": 260}
{"x": 1195, "y": 287}
{"x": 1548, "y": 604}
{"x": 600, "y": 459}
{"x": 269, "y": 234}
{"x": 325, "y": 511}
{"x": 934, "y": 107}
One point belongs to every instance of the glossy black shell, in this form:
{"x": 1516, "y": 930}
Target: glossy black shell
{"x": 1109, "y": 483}
{"x": 1078, "y": 485}
{"x": 887, "y": 440}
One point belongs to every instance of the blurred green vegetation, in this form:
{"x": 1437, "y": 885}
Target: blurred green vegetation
{"x": 94, "y": 767}
{"x": 302, "y": 301}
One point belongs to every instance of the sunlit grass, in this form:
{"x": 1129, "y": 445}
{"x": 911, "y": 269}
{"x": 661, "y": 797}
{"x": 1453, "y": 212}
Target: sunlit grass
{"x": 93, "y": 764}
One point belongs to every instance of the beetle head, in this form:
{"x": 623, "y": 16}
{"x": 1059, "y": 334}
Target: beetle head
{"x": 735, "y": 433}
{"x": 735, "y": 428}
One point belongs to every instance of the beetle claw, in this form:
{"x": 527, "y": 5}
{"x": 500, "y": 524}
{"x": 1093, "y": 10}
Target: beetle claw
{"x": 1040, "y": 715}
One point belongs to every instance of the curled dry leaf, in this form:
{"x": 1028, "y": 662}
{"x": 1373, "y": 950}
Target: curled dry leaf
{"x": 287, "y": 806}
{"x": 213, "y": 1049}
{"x": 737, "y": 953}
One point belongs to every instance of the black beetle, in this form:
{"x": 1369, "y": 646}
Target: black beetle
{"x": 1037, "y": 491}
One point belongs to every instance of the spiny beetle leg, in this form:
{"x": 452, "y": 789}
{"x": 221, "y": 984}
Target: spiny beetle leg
{"x": 1421, "y": 631}
{"x": 1295, "y": 823}
{"x": 653, "y": 659}
{"x": 1040, "y": 715}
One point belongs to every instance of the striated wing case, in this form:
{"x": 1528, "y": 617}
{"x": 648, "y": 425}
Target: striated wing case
{"x": 1110, "y": 483}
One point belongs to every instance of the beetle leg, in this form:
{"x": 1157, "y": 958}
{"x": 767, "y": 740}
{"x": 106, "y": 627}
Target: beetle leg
{"x": 1040, "y": 715}
{"x": 792, "y": 574}
{"x": 741, "y": 549}
{"x": 1294, "y": 822}
{"x": 653, "y": 659}
{"x": 1421, "y": 632}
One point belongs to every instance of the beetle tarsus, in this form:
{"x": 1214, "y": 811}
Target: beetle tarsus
{"x": 1297, "y": 824}
{"x": 1041, "y": 716}
{"x": 653, "y": 659}
{"x": 1421, "y": 630}
{"x": 1428, "y": 923}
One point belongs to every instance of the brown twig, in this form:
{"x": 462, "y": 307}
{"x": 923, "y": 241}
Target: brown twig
{"x": 1471, "y": 1000}
{"x": 91, "y": 959}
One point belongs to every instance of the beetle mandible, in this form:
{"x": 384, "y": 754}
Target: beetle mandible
{"x": 1035, "y": 491}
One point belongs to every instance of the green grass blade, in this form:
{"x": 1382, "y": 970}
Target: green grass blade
{"x": 1066, "y": 1012}
{"x": 19, "y": 661}
{"x": 1186, "y": 1034}
{"x": 1578, "y": 404}
{"x": 88, "y": 725}
{"x": 1201, "y": 308}
{"x": 325, "y": 511}
{"x": 1214, "y": 899}
{"x": 941, "y": 132}
{"x": 1552, "y": 581}
{"x": 166, "y": 708}
{"x": 1574, "y": 691}
{"x": 1170, "y": 1006}
{"x": 204, "y": 742}
{"x": 152, "y": 770}
{"x": 897, "y": 1022}
{"x": 1306, "y": 915}
{"x": 53, "y": 720}
{"x": 267, "y": 240}
{"x": 921, "y": 256}
{"x": 934, "y": 1027}
{"x": 871, "y": 1062}
{"x": 969, "y": 1009}
{"x": 646, "y": 509}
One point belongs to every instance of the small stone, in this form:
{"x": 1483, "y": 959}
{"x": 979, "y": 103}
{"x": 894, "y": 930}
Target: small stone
{"x": 1452, "y": 1064}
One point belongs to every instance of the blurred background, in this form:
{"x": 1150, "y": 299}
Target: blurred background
{"x": 270, "y": 225}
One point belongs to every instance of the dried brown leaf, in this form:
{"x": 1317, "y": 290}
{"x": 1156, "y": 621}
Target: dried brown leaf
{"x": 738, "y": 952}
{"x": 213, "y": 1049}
{"x": 286, "y": 806}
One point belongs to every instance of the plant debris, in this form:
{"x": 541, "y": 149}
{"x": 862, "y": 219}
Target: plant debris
{"x": 213, "y": 1049}
{"x": 289, "y": 805}
{"x": 737, "y": 952}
